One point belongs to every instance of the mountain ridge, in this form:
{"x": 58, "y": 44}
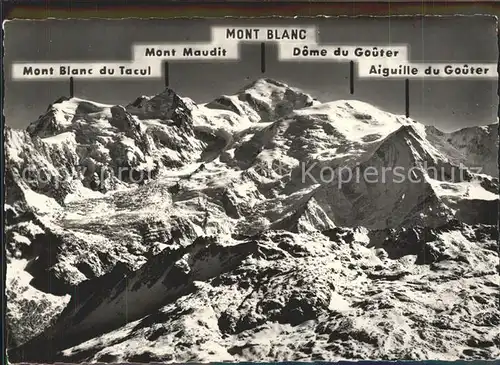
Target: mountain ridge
{"x": 218, "y": 195}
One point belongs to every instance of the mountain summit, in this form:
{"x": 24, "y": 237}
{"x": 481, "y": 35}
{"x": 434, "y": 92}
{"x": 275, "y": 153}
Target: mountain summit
{"x": 261, "y": 226}
{"x": 264, "y": 100}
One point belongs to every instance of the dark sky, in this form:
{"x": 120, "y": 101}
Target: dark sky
{"x": 446, "y": 104}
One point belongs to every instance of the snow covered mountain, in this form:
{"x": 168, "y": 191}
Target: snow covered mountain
{"x": 473, "y": 146}
{"x": 262, "y": 226}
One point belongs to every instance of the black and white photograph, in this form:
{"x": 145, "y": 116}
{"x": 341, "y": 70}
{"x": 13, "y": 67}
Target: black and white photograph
{"x": 251, "y": 189}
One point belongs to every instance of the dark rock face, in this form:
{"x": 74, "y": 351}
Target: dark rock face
{"x": 166, "y": 106}
{"x": 225, "y": 103}
{"x": 124, "y": 122}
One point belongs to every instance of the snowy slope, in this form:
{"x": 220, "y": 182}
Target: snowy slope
{"x": 306, "y": 266}
{"x": 264, "y": 100}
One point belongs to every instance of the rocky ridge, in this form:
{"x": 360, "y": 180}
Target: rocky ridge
{"x": 173, "y": 231}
